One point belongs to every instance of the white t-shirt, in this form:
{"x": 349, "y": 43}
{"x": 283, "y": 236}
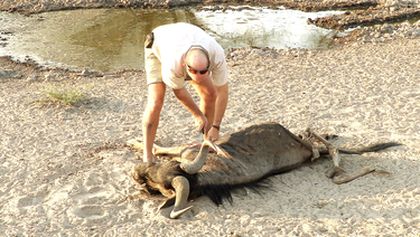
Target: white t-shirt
{"x": 172, "y": 41}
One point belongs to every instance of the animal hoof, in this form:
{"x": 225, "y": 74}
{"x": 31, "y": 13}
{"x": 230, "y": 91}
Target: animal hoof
{"x": 135, "y": 143}
{"x": 350, "y": 177}
{"x": 334, "y": 171}
{"x": 315, "y": 154}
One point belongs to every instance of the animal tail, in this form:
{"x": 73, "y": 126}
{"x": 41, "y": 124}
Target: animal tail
{"x": 371, "y": 148}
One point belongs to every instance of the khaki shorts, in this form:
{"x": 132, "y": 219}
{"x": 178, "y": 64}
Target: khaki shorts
{"x": 151, "y": 62}
{"x": 152, "y": 66}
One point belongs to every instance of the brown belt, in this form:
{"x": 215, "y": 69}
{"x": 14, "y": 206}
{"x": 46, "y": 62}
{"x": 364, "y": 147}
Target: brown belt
{"x": 148, "y": 43}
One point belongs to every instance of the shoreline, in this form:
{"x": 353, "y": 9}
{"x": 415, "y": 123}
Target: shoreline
{"x": 358, "y": 12}
{"x": 33, "y": 7}
{"x": 372, "y": 21}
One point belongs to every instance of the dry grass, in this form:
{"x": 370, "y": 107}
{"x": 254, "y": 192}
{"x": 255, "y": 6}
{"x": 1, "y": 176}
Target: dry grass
{"x": 63, "y": 96}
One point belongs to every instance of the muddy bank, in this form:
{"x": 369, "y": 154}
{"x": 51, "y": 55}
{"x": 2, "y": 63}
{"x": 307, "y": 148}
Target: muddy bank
{"x": 28, "y": 6}
{"x": 367, "y": 17}
{"x": 359, "y": 13}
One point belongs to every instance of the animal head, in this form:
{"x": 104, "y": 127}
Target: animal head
{"x": 153, "y": 178}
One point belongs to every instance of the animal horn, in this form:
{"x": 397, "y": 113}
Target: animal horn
{"x": 182, "y": 191}
{"x": 194, "y": 166}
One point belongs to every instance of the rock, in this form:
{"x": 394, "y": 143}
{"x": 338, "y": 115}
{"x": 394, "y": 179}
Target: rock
{"x": 9, "y": 74}
{"x": 177, "y": 3}
{"x": 48, "y": 77}
{"x": 415, "y": 33}
{"x": 31, "y": 78}
{"x": 387, "y": 28}
{"x": 86, "y": 73}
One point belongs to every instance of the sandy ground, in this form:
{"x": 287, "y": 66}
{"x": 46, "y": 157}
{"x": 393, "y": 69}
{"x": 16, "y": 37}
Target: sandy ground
{"x": 64, "y": 170}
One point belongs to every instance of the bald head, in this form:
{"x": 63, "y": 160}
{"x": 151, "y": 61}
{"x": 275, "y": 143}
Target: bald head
{"x": 197, "y": 58}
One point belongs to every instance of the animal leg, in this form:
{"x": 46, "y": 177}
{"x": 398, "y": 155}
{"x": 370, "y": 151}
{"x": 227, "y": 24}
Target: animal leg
{"x": 333, "y": 151}
{"x": 337, "y": 174}
{"x": 136, "y": 144}
{"x": 305, "y": 140}
{"x": 157, "y": 150}
{"x": 349, "y": 177}
{"x": 169, "y": 151}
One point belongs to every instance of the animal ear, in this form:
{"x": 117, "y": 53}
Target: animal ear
{"x": 135, "y": 173}
{"x": 135, "y": 176}
{"x": 139, "y": 172}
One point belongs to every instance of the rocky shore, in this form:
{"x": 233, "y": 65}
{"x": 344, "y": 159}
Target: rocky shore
{"x": 30, "y": 6}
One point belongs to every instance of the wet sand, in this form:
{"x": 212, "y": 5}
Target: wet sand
{"x": 64, "y": 169}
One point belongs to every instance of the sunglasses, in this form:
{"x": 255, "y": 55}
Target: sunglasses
{"x": 194, "y": 71}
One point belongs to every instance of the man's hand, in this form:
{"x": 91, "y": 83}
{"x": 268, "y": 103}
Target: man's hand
{"x": 202, "y": 124}
{"x": 213, "y": 134}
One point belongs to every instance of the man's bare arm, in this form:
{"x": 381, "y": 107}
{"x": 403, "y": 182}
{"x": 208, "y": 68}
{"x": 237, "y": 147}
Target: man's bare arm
{"x": 220, "y": 108}
{"x": 221, "y": 103}
{"x": 187, "y": 101}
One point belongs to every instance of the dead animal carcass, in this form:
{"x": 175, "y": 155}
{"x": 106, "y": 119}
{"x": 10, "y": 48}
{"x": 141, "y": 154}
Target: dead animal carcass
{"x": 239, "y": 159}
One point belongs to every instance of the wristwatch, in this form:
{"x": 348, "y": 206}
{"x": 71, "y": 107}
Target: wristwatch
{"x": 216, "y": 127}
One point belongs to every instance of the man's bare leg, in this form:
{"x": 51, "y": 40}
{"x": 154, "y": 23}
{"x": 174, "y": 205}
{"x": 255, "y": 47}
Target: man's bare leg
{"x": 155, "y": 98}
